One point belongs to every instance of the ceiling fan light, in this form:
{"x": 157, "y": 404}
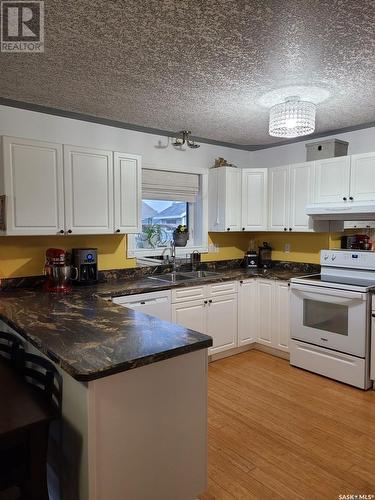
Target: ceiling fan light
{"x": 292, "y": 118}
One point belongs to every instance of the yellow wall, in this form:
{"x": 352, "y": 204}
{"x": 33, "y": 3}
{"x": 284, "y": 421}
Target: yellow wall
{"x": 24, "y": 255}
{"x": 305, "y": 247}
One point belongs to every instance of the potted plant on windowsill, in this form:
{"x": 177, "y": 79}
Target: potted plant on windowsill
{"x": 181, "y": 236}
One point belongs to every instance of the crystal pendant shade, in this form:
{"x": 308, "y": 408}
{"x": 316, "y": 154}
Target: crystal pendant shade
{"x": 292, "y": 118}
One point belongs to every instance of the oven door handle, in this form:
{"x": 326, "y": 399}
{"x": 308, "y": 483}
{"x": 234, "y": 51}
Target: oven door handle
{"x": 333, "y": 292}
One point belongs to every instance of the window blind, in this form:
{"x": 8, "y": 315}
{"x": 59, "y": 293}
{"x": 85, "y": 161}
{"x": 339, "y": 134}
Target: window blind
{"x": 165, "y": 185}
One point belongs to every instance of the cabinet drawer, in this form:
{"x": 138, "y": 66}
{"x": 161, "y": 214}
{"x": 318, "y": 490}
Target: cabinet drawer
{"x": 222, "y": 288}
{"x": 193, "y": 293}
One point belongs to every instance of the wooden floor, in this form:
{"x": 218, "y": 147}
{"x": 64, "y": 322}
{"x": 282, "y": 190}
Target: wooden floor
{"x": 276, "y": 431}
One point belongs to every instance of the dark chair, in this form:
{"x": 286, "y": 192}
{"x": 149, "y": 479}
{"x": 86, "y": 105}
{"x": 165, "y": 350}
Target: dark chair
{"x": 30, "y": 399}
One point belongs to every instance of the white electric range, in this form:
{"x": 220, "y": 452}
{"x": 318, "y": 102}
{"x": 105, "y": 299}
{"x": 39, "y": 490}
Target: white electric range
{"x": 330, "y": 317}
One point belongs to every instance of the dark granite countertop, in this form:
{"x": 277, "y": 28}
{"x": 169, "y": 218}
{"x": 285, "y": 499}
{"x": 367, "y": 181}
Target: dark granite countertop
{"x": 91, "y": 338}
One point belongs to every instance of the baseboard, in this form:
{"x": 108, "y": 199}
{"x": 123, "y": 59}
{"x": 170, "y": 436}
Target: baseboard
{"x": 272, "y": 350}
{"x": 249, "y": 347}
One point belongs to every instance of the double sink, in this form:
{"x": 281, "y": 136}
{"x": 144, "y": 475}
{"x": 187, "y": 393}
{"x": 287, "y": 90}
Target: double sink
{"x": 178, "y": 276}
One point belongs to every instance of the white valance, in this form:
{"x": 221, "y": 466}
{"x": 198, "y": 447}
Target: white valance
{"x": 166, "y": 185}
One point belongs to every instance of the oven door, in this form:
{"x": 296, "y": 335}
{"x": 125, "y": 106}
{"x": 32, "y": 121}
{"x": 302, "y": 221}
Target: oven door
{"x": 336, "y": 319}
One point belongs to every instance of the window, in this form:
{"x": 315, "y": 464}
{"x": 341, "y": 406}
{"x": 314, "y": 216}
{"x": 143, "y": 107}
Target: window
{"x": 159, "y": 219}
{"x": 170, "y": 199}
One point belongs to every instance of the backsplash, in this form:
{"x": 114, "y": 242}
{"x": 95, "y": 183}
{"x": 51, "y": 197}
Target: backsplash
{"x": 22, "y": 256}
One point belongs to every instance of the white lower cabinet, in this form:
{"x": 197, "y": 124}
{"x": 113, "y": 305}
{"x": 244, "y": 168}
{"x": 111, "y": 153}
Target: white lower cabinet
{"x": 190, "y": 314}
{"x": 263, "y": 313}
{"x": 281, "y": 316}
{"x": 222, "y": 323}
{"x": 213, "y": 313}
{"x": 248, "y": 317}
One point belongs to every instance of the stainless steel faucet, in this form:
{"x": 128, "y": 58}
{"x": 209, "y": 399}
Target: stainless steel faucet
{"x": 173, "y": 255}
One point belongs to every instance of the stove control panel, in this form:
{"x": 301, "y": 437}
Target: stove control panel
{"x": 354, "y": 259}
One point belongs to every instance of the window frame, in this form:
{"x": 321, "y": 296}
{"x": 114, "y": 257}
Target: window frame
{"x": 199, "y": 216}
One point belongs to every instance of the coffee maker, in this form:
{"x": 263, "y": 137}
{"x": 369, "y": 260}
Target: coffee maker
{"x": 85, "y": 262}
{"x": 264, "y": 256}
{"x": 58, "y": 270}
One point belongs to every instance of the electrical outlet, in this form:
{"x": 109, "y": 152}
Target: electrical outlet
{"x": 212, "y": 248}
{"x": 287, "y": 247}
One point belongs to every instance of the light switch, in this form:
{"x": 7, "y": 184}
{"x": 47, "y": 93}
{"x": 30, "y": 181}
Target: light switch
{"x": 287, "y": 247}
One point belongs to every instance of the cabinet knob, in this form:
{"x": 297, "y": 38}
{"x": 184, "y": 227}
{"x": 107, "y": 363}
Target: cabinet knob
{"x": 70, "y": 231}
{"x": 243, "y": 229}
{"x": 118, "y": 231}
{"x": 373, "y": 315}
{"x": 205, "y": 302}
{"x": 241, "y": 282}
{"x": 344, "y": 198}
{"x": 61, "y": 231}
{"x": 285, "y": 229}
{"x": 210, "y": 301}
{"x": 351, "y": 198}
{"x": 228, "y": 228}
{"x": 290, "y": 229}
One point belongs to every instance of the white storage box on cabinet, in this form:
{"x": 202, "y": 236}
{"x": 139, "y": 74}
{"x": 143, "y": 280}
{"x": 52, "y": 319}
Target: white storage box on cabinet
{"x": 254, "y": 207}
{"x": 224, "y": 199}
{"x": 32, "y": 180}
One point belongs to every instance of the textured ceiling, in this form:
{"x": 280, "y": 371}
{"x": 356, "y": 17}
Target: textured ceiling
{"x": 200, "y": 64}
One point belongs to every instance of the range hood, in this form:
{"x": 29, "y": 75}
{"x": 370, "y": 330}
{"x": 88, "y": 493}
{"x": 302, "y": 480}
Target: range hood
{"x": 352, "y": 210}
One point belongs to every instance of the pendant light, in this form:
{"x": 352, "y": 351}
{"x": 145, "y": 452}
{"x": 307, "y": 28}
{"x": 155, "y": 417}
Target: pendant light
{"x": 292, "y": 118}
{"x": 184, "y": 138}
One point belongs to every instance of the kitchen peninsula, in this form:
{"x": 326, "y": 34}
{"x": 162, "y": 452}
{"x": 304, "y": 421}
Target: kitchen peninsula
{"x": 134, "y": 395}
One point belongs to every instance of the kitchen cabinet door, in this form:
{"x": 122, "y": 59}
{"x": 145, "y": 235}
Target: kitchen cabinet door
{"x": 332, "y": 179}
{"x": 222, "y": 323}
{"x": 362, "y": 178}
{"x": 254, "y": 199}
{"x": 265, "y": 311}
{"x": 33, "y": 184}
{"x": 281, "y": 316}
{"x": 88, "y": 181}
{"x": 248, "y": 318}
{"x": 301, "y": 194}
{"x": 190, "y": 314}
{"x": 224, "y": 199}
{"x": 278, "y": 198}
{"x": 127, "y": 193}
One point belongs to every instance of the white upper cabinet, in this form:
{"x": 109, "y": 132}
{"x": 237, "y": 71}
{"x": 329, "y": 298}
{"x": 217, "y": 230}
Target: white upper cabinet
{"x": 362, "y": 178}
{"x": 278, "y": 196}
{"x": 88, "y": 179}
{"x": 33, "y": 183}
{"x": 332, "y": 180}
{"x": 254, "y": 199}
{"x": 224, "y": 195}
{"x": 127, "y": 193}
{"x": 301, "y": 194}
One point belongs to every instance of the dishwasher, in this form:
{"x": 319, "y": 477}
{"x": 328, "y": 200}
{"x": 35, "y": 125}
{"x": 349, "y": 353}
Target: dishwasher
{"x": 156, "y": 304}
